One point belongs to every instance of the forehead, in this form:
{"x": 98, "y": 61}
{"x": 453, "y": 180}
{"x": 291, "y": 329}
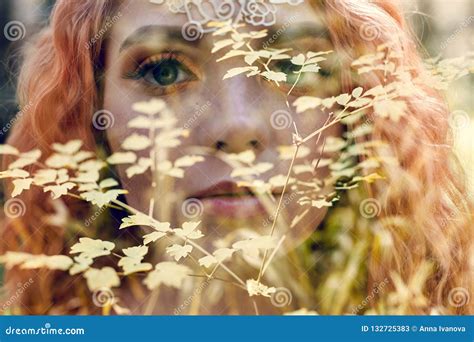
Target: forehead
{"x": 181, "y": 14}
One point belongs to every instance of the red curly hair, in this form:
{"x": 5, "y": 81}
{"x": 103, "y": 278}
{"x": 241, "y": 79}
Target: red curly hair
{"x": 60, "y": 88}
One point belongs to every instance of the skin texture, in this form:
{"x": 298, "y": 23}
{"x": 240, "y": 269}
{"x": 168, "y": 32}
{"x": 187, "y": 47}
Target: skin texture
{"x": 58, "y": 95}
{"x": 236, "y": 111}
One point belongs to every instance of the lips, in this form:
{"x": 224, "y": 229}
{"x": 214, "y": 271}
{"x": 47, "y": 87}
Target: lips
{"x": 223, "y": 189}
{"x": 225, "y": 198}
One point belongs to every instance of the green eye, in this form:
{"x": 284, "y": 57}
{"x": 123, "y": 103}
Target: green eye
{"x": 166, "y": 72}
{"x": 289, "y": 69}
{"x": 325, "y": 73}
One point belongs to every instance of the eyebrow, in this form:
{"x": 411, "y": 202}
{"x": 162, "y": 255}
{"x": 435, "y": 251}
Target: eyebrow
{"x": 150, "y": 32}
{"x": 174, "y": 33}
{"x": 284, "y": 34}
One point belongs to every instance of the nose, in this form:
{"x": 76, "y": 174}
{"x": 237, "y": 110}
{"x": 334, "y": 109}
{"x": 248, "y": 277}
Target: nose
{"x": 237, "y": 122}
{"x": 238, "y": 132}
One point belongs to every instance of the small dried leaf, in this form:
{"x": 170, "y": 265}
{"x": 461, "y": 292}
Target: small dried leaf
{"x": 152, "y": 107}
{"x": 59, "y": 190}
{"x": 179, "y": 251}
{"x": 187, "y": 161}
{"x": 298, "y": 60}
{"x": 304, "y": 103}
{"x": 122, "y": 158}
{"x": 20, "y": 185}
{"x": 102, "y": 198}
{"x": 274, "y": 76}
{"x": 136, "y": 142}
{"x": 52, "y": 262}
{"x": 167, "y": 273}
{"x": 7, "y": 149}
{"x": 108, "y": 183}
{"x": 140, "y": 219}
{"x": 132, "y": 262}
{"x": 189, "y": 231}
{"x": 69, "y": 148}
{"x": 255, "y": 288}
{"x": 81, "y": 264}
{"x": 237, "y": 71}
{"x": 89, "y": 248}
{"x": 104, "y": 278}
{"x": 152, "y": 237}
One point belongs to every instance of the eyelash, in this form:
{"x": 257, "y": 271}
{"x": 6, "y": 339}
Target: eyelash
{"x": 323, "y": 72}
{"x": 150, "y": 63}
{"x": 301, "y": 89}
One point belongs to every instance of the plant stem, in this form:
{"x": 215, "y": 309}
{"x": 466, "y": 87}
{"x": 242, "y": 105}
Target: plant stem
{"x": 191, "y": 242}
{"x": 277, "y": 212}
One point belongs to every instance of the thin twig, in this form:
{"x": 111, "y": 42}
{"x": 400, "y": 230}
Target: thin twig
{"x": 277, "y": 212}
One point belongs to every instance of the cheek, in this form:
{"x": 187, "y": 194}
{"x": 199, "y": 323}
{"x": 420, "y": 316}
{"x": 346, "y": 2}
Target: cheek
{"x": 118, "y": 102}
{"x": 188, "y": 107}
{"x": 310, "y": 121}
{"x": 119, "y": 98}
{"x": 195, "y": 109}
{"x": 304, "y": 227}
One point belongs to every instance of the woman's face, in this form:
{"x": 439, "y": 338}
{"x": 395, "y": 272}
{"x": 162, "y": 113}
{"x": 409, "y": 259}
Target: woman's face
{"x": 148, "y": 57}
